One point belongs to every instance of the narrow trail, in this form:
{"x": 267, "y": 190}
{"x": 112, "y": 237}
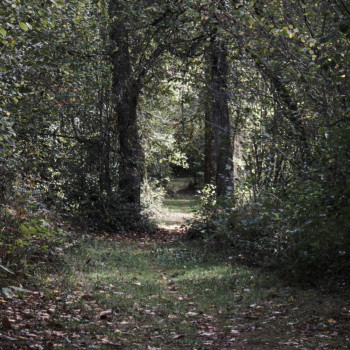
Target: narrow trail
{"x": 164, "y": 292}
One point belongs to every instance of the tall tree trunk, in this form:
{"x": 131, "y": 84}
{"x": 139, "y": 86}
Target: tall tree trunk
{"x": 209, "y": 147}
{"x": 221, "y": 118}
{"x": 130, "y": 167}
{"x": 126, "y": 93}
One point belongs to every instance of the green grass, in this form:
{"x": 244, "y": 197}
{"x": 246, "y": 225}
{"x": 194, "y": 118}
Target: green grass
{"x": 181, "y": 205}
{"x": 189, "y": 295}
{"x": 178, "y": 209}
{"x": 179, "y": 295}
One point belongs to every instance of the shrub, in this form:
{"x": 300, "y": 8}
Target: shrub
{"x": 306, "y": 237}
{"x": 27, "y": 237}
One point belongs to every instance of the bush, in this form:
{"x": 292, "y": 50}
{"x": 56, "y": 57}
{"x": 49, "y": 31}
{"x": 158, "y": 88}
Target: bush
{"x": 306, "y": 237}
{"x": 27, "y": 237}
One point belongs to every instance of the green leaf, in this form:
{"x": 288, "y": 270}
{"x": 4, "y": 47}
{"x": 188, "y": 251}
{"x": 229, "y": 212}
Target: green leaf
{"x": 23, "y": 26}
{"x": 21, "y": 289}
{"x": 3, "y": 32}
{"x": 7, "y": 292}
{"x": 7, "y": 270}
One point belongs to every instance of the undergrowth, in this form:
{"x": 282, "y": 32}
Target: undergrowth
{"x": 303, "y": 246}
{"x": 30, "y": 239}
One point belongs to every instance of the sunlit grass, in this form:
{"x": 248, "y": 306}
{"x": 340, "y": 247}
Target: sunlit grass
{"x": 175, "y": 212}
{"x": 181, "y": 205}
{"x": 178, "y": 209}
{"x": 165, "y": 290}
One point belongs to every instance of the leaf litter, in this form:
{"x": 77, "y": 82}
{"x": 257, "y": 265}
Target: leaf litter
{"x": 56, "y": 317}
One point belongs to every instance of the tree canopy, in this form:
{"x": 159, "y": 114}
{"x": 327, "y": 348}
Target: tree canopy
{"x": 102, "y": 101}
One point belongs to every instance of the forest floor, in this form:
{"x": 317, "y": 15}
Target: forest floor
{"x": 163, "y": 291}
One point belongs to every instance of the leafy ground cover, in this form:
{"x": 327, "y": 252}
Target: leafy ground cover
{"x": 163, "y": 291}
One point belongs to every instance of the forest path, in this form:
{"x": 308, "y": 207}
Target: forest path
{"x": 177, "y": 209}
{"x": 164, "y": 292}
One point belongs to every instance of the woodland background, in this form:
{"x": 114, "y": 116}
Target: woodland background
{"x": 102, "y": 102}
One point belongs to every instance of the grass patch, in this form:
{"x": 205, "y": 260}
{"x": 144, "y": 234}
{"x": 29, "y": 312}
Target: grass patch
{"x": 185, "y": 295}
{"x": 177, "y": 210}
{"x": 185, "y": 205}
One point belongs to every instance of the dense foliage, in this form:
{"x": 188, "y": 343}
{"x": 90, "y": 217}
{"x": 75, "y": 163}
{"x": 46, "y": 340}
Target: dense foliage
{"x": 102, "y": 100}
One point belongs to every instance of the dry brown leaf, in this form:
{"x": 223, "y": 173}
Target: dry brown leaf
{"x": 7, "y": 337}
{"x": 6, "y": 322}
{"x": 105, "y": 314}
{"x": 208, "y": 334}
{"x": 177, "y": 336}
{"x": 87, "y": 297}
{"x": 190, "y": 313}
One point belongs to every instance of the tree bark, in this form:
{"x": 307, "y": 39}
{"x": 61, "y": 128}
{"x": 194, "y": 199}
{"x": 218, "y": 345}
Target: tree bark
{"x": 126, "y": 92}
{"x": 209, "y": 146}
{"x": 221, "y": 118}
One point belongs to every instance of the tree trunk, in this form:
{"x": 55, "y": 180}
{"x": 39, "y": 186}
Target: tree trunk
{"x": 126, "y": 93}
{"x": 130, "y": 166}
{"x": 221, "y": 118}
{"x": 209, "y": 147}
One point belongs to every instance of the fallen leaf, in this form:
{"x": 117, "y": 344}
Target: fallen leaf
{"x": 177, "y": 336}
{"x": 104, "y": 314}
{"x": 7, "y": 292}
{"x": 6, "y": 322}
{"x": 7, "y": 337}
{"x": 191, "y": 313}
{"x": 322, "y": 336}
{"x": 31, "y": 335}
{"x": 7, "y": 270}
{"x": 87, "y": 297}
{"x": 21, "y": 289}
{"x": 208, "y": 334}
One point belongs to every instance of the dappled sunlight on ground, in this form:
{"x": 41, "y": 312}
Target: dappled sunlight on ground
{"x": 178, "y": 209}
